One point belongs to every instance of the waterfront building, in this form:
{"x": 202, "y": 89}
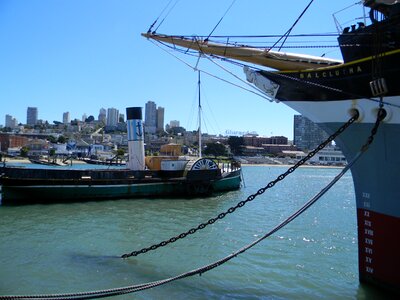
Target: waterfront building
{"x": 327, "y": 156}
{"x": 32, "y": 116}
{"x": 112, "y": 117}
{"x": 12, "y": 141}
{"x": 257, "y": 141}
{"x": 307, "y": 135}
{"x": 66, "y": 117}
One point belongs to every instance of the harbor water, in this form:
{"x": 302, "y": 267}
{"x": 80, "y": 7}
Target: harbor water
{"x": 62, "y": 248}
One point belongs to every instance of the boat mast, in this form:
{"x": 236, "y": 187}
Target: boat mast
{"x": 199, "y": 117}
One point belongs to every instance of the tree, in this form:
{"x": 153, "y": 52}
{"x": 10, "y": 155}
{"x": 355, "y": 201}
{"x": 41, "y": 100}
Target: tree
{"x": 236, "y": 143}
{"x": 52, "y": 139}
{"x": 61, "y": 139}
{"x": 120, "y": 153}
{"x": 216, "y": 149}
{"x": 52, "y": 152}
{"x": 24, "y": 151}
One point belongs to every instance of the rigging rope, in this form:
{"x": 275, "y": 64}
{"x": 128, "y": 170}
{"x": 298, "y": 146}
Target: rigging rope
{"x": 285, "y": 36}
{"x": 215, "y": 27}
{"x": 139, "y": 287}
{"x": 262, "y": 95}
{"x": 162, "y": 21}
{"x": 176, "y": 2}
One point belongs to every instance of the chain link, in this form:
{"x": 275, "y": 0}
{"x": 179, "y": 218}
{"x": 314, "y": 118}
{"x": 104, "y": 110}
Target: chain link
{"x": 261, "y": 190}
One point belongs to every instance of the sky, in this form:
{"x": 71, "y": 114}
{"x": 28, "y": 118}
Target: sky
{"x": 83, "y": 55}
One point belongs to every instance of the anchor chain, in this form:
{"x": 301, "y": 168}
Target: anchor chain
{"x": 259, "y": 192}
{"x": 381, "y": 115}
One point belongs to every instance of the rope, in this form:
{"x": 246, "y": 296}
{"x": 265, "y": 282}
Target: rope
{"x": 215, "y": 27}
{"x": 285, "y": 36}
{"x": 176, "y": 2}
{"x": 162, "y": 21}
{"x": 207, "y": 73}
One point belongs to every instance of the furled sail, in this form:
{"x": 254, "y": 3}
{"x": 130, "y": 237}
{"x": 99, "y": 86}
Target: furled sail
{"x": 281, "y": 61}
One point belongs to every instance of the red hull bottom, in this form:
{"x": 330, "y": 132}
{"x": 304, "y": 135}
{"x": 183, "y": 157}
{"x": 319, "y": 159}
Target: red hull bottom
{"x": 379, "y": 249}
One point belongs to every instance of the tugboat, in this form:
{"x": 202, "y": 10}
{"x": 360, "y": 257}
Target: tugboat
{"x": 329, "y": 92}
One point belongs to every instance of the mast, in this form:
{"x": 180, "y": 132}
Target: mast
{"x": 199, "y": 116}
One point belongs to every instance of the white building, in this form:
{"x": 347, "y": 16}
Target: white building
{"x": 66, "y": 117}
{"x": 11, "y": 122}
{"x": 112, "y": 117}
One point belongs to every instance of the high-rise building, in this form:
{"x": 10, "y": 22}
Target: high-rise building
{"x": 32, "y": 116}
{"x": 112, "y": 117}
{"x": 307, "y": 135}
{"x": 160, "y": 119}
{"x": 11, "y": 122}
{"x": 150, "y": 121}
{"x": 66, "y": 117}
{"x": 174, "y": 123}
{"x": 103, "y": 115}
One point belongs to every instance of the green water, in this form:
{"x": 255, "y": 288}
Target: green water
{"x": 64, "y": 248}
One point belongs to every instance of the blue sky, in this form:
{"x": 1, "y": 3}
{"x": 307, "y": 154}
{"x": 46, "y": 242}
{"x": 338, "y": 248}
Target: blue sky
{"x": 82, "y": 55}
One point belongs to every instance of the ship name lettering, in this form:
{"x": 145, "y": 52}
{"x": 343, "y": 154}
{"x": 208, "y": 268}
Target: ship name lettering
{"x": 369, "y": 232}
{"x": 369, "y": 270}
{"x": 368, "y": 250}
{"x": 331, "y": 74}
{"x": 369, "y": 241}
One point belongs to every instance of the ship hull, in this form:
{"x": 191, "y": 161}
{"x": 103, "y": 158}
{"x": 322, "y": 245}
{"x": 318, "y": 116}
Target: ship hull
{"x": 376, "y": 172}
{"x": 72, "y": 186}
{"x": 375, "y": 177}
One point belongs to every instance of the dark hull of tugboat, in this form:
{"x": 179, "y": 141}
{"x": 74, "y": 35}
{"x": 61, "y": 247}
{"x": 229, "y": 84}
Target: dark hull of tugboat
{"x": 376, "y": 174}
{"x": 21, "y": 186}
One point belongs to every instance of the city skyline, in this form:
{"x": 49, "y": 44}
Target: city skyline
{"x": 156, "y": 116}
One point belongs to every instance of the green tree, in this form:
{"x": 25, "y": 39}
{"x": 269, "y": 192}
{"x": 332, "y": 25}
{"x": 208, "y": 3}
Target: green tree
{"x": 236, "y": 143}
{"x": 216, "y": 149}
{"x": 61, "y": 139}
{"x": 52, "y": 139}
{"x": 120, "y": 153}
{"x": 24, "y": 151}
{"x": 52, "y": 152}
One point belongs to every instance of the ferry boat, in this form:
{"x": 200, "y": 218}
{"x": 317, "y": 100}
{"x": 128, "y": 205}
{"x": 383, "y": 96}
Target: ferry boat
{"x": 330, "y": 92}
{"x": 174, "y": 177}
